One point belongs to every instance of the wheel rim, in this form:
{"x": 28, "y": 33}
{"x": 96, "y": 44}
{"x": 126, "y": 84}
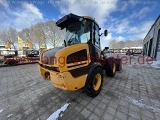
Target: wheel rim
{"x": 114, "y": 67}
{"x": 97, "y": 81}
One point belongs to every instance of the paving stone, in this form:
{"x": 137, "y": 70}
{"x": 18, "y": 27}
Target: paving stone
{"x": 79, "y": 108}
{"x": 111, "y": 110}
{"x": 130, "y": 118}
{"x": 98, "y": 111}
{"x": 93, "y": 117}
{"x": 28, "y": 111}
{"x": 121, "y": 115}
{"x": 31, "y": 116}
{"x": 123, "y": 103}
{"x": 134, "y": 108}
{"x": 107, "y": 116}
{"x": 102, "y": 105}
{"x": 80, "y": 117}
{"x": 105, "y": 101}
{"x": 83, "y": 102}
{"x": 68, "y": 115}
{"x": 91, "y": 106}
{"x": 19, "y": 117}
{"x": 135, "y": 115}
{"x": 41, "y": 110}
{"x": 157, "y": 116}
{"x": 45, "y": 115}
{"x": 145, "y": 118}
{"x": 123, "y": 109}
{"x": 86, "y": 113}
{"x": 94, "y": 101}
{"x": 26, "y": 95}
{"x": 116, "y": 119}
{"x": 114, "y": 105}
{"x": 147, "y": 114}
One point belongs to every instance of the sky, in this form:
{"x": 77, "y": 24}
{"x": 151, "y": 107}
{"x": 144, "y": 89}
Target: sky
{"x": 124, "y": 19}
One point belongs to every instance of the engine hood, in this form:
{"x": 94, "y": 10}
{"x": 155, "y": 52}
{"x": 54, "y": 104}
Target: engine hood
{"x": 48, "y": 56}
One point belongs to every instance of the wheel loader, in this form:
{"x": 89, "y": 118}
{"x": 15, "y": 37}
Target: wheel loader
{"x": 80, "y": 62}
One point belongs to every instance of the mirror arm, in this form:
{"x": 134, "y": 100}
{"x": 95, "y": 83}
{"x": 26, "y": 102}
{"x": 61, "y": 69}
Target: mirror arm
{"x": 65, "y": 44}
{"x": 101, "y": 34}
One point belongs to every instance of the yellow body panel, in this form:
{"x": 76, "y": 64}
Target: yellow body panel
{"x": 42, "y": 72}
{"x": 63, "y": 79}
{"x": 8, "y": 45}
{"x": 88, "y": 17}
{"x": 62, "y": 54}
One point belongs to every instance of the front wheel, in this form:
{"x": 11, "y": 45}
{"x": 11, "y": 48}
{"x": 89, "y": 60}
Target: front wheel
{"x": 94, "y": 83}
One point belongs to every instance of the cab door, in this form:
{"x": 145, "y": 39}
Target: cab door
{"x": 95, "y": 48}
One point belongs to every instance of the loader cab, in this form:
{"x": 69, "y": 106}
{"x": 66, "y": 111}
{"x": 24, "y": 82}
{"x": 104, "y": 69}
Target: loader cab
{"x": 80, "y": 30}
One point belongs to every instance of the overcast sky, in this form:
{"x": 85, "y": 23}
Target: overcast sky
{"x": 124, "y": 19}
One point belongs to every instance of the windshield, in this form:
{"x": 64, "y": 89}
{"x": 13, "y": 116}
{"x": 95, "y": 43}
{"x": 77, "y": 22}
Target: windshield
{"x": 78, "y": 32}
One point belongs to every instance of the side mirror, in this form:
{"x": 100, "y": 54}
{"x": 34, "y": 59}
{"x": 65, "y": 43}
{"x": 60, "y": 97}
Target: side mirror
{"x": 106, "y": 48}
{"x": 105, "y": 32}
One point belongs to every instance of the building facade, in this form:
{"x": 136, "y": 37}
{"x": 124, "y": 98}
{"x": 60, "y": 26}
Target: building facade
{"x": 151, "y": 42}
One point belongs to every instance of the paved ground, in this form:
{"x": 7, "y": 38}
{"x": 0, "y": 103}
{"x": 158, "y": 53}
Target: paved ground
{"x": 133, "y": 94}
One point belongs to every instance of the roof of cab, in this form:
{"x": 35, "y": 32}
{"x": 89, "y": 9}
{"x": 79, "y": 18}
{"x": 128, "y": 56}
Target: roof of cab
{"x": 68, "y": 19}
{"x": 88, "y": 17}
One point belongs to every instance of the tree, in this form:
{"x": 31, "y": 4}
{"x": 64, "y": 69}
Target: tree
{"x": 3, "y": 36}
{"x": 128, "y": 43}
{"x": 38, "y": 34}
{"x": 139, "y": 42}
{"x": 42, "y": 33}
{"x": 25, "y": 34}
{"x": 9, "y": 35}
{"x": 55, "y": 36}
{"x": 120, "y": 44}
{"x": 113, "y": 44}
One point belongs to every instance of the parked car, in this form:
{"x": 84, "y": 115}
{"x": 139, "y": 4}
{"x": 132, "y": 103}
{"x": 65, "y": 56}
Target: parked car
{"x": 32, "y": 53}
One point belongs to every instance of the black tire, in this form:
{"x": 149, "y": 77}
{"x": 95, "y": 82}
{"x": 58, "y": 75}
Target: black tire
{"x": 111, "y": 69}
{"x": 93, "y": 85}
{"x": 118, "y": 64}
{"x": 12, "y": 62}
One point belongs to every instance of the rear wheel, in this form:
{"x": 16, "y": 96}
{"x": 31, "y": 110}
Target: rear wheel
{"x": 111, "y": 69}
{"x": 94, "y": 83}
{"x": 10, "y": 62}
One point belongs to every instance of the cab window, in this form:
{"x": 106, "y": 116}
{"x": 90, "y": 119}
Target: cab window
{"x": 97, "y": 39}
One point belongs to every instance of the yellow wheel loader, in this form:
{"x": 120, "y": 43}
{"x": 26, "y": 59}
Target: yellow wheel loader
{"x": 79, "y": 64}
